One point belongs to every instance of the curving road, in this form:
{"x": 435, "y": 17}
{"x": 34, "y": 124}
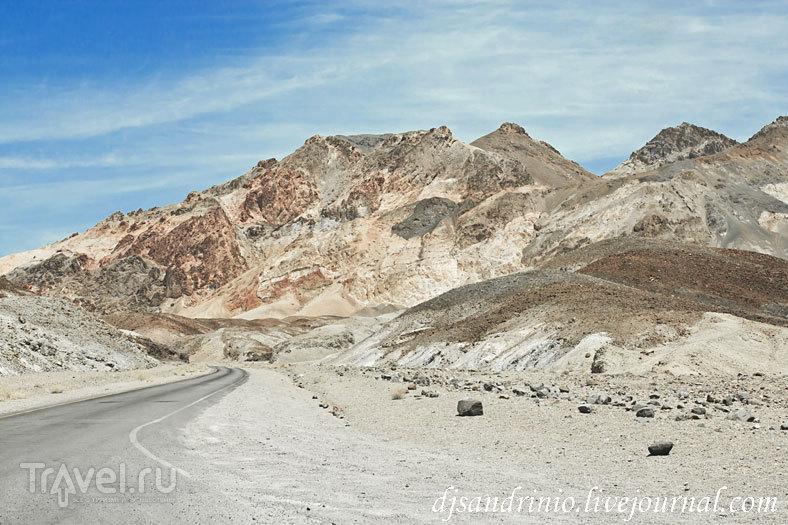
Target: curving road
{"x": 97, "y": 461}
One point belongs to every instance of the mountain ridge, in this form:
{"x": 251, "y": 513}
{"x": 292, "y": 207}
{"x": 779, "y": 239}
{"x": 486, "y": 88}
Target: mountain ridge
{"x": 351, "y": 222}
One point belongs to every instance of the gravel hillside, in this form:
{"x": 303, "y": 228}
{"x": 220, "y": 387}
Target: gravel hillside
{"x": 44, "y": 334}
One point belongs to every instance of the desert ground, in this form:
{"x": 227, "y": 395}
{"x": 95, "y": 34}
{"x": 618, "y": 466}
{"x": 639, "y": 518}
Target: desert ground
{"x": 324, "y": 444}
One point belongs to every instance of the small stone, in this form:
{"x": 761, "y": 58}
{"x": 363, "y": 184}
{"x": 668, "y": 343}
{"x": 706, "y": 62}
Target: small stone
{"x": 563, "y": 389}
{"x": 742, "y": 395}
{"x": 741, "y": 415}
{"x": 683, "y": 394}
{"x": 728, "y": 400}
{"x": 698, "y": 410}
{"x": 599, "y": 398}
{"x": 411, "y": 386}
{"x": 518, "y": 392}
{"x": 585, "y": 409}
{"x": 711, "y": 399}
{"x": 470, "y": 407}
{"x": 654, "y": 395}
{"x": 784, "y": 426}
{"x": 645, "y": 412}
{"x": 660, "y": 448}
{"x": 488, "y": 387}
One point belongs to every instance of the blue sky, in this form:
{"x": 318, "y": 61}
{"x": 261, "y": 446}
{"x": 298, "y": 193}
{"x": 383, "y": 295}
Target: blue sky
{"x": 115, "y": 105}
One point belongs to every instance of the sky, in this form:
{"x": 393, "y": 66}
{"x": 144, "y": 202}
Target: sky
{"x": 110, "y": 105}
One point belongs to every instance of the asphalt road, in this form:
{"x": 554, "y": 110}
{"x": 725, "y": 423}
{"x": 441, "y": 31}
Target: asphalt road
{"x": 97, "y": 461}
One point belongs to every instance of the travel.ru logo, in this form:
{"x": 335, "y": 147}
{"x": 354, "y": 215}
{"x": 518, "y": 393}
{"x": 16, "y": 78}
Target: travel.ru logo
{"x": 66, "y": 482}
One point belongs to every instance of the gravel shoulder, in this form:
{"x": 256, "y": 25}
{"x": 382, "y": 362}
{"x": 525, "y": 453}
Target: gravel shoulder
{"x": 35, "y": 390}
{"x": 368, "y": 458}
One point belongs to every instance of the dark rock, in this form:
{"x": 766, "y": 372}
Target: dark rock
{"x": 470, "y": 407}
{"x": 542, "y": 393}
{"x": 698, "y": 410}
{"x": 645, "y": 412}
{"x": 585, "y": 409}
{"x": 425, "y": 216}
{"x": 660, "y": 448}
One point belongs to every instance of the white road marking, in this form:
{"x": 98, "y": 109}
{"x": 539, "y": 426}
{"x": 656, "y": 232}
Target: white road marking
{"x": 154, "y": 457}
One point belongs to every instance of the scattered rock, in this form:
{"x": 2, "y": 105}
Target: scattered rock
{"x": 599, "y": 398}
{"x": 741, "y": 415}
{"x": 469, "y": 407}
{"x": 542, "y": 393}
{"x": 585, "y": 409}
{"x": 660, "y": 448}
{"x": 683, "y": 394}
{"x": 698, "y": 410}
{"x": 645, "y": 412}
{"x": 784, "y": 426}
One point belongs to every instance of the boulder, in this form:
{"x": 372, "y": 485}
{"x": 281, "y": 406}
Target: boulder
{"x": 645, "y": 412}
{"x": 600, "y": 398}
{"x": 660, "y": 448}
{"x": 469, "y": 407}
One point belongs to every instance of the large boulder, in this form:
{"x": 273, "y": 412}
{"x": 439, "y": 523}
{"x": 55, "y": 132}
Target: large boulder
{"x": 470, "y": 407}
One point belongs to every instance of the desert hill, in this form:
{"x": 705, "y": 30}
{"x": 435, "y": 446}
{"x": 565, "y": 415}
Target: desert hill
{"x": 353, "y": 222}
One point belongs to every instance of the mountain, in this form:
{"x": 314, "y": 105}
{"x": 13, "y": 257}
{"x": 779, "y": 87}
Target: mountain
{"x": 340, "y": 224}
{"x": 346, "y": 224}
{"x": 670, "y": 145}
{"x": 732, "y": 199}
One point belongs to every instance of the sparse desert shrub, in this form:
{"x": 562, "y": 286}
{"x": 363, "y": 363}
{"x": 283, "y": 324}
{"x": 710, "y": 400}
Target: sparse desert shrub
{"x": 7, "y": 393}
{"x": 56, "y": 389}
{"x": 398, "y": 393}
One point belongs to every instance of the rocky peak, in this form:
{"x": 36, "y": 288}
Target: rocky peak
{"x": 542, "y": 161}
{"x": 779, "y": 126}
{"x": 682, "y": 142}
{"x": 511, "y": 127}
{"x": 364, "y": 142}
